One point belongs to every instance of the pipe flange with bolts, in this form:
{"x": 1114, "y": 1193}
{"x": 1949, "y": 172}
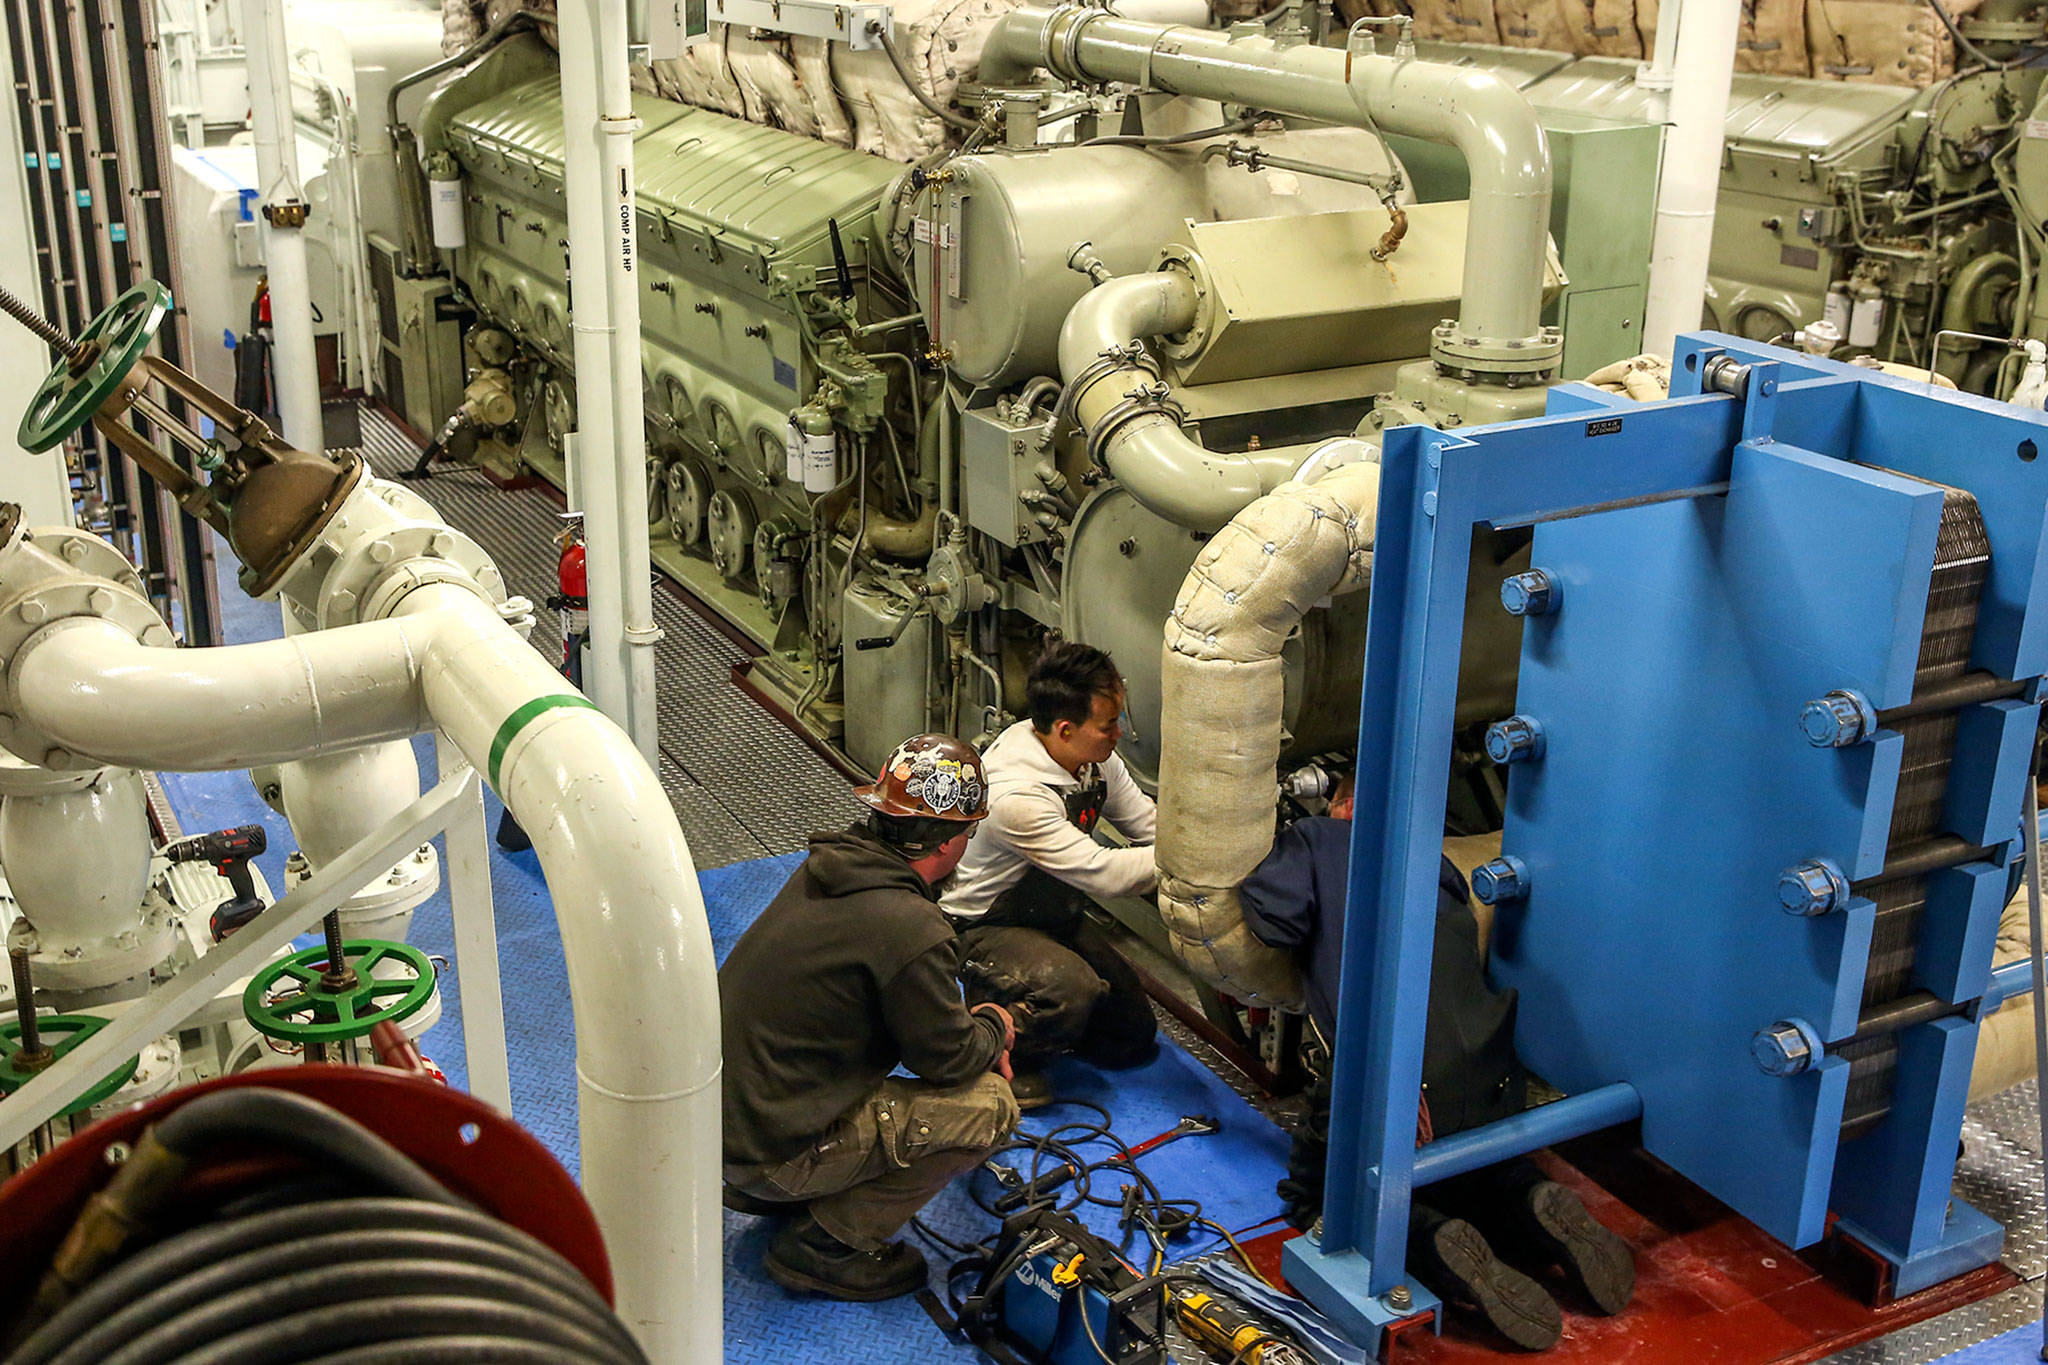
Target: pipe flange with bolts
{"x": 49, "y": 591}
{"x": 90, "y": 555}
{"x": 1189, "y": 344}
{"x": 382, "y": 530}
{"x": 1514, "y": 362}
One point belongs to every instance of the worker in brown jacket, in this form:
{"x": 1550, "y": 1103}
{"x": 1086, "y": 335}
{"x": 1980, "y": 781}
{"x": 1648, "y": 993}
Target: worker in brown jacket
{"x": 849, "y": 973}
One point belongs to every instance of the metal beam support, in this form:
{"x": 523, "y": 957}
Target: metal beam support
{"x": 468, "y": 865}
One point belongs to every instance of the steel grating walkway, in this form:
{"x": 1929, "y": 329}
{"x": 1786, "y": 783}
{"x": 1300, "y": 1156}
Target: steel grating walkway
{"x": 744, "y": 787}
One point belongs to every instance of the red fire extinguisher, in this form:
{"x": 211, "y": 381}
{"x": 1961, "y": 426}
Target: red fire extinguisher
{"x": 572, "y": 596}
{"x": 571, "y": 600}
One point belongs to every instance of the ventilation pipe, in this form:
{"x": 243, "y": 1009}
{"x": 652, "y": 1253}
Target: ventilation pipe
{"x": 93, "y": 678}
{"x": 1222, "y": 692}
{"x": 1691, "y": 173}
{"x": 283, "y": 209}
{"x": 610, "y": 449}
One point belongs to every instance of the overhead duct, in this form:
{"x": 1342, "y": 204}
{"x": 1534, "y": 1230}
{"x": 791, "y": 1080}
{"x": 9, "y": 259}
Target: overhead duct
{"x": 1222, "y": 695}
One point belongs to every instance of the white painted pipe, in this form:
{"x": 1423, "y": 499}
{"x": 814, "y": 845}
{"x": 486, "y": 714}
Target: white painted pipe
{"x": 88, "y": 683}
{"x": 1690, "y": 176}
{"x": 336, "y": 800}
{"x": 284, "y": 249}
{"x": 609, "y": 453}
{"x": 641, "y": 971}
{"x": 1489, "y": 121}
{"x": 77, "y": 859}
{"x": 642, "y": 983}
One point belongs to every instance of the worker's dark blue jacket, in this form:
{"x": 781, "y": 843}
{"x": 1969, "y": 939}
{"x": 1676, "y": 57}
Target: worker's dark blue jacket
{"x": 1295, "y": 899}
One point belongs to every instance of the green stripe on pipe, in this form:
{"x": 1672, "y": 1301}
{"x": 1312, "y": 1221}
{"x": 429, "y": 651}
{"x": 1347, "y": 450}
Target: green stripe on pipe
{"x": 519, "y": 720}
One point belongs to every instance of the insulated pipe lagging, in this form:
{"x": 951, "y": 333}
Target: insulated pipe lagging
{"x": 1222, "y": 701}
{"x": 1170, "y": 473}
{"x": 1491, "y": 124}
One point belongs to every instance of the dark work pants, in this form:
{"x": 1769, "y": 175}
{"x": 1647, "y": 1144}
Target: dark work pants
{"x": 1039, "y": 954}
{"x": 1477, "y": 1196}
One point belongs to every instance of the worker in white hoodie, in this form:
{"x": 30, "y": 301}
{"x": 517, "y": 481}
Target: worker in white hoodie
{"x": 1026, "y": 891}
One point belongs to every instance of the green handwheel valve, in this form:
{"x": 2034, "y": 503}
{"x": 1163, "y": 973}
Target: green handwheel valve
{"x": 311, "y": 1009}
{"x": 99, "y": 360}
{"x": 60, "y": 1034}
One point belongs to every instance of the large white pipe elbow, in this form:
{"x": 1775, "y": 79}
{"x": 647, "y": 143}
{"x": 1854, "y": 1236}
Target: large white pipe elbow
{"x": 1222, "y": 696}
{"x": 642, "y": 978}
{"x": 101, "y": 697}
{"x": 1170, "y": 473}
{"x": 642, "y": 981}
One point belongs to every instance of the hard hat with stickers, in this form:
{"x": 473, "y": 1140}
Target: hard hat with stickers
{"x": 932, "y": 777}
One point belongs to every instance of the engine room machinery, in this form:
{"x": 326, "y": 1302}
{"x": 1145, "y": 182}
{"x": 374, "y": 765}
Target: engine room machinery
{"x": 1890, "y": 214}
{"x": 906, "y": 419}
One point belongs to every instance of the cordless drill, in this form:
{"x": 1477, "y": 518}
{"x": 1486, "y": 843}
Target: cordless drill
{"x": 229, "y": 850}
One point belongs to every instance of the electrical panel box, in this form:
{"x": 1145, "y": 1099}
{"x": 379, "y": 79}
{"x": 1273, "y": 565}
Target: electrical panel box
{"x": 673, "y": 25}
{"x": 419, "y": 370}
{"x": 999, "y": 456}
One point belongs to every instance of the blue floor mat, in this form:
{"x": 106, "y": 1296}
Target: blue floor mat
{"x": 2020, "y": 1346}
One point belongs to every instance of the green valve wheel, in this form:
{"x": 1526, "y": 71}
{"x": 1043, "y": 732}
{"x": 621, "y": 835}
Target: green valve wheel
{"x": 290, "y": 999}
{"x": 60, "y": 1033}
{"x": 108, "y": 349}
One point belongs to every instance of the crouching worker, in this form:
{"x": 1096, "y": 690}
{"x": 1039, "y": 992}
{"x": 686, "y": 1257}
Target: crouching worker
{"x": 1470, "y": 1076}
{"x": 849, "y": 973}
{"x": 1026, "y": 897}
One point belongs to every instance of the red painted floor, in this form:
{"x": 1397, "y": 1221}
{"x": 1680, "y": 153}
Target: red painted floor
{"x": 1711, "y": 1288}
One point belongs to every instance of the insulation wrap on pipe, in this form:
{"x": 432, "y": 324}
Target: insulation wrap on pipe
{"x": 1221, "y": 700}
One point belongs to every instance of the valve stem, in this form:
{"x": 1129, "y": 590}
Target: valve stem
{"x": 36, "y": 322}
{"x": 339, "y": 975}
{"x": 33, "y": 1056}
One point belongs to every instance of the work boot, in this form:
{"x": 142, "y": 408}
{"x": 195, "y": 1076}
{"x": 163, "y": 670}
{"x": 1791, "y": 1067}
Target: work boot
{"x": 808, "y": 1259}
{"x": 1550, "y": 1225}
{"x": 1452, "y": 1258}
{"x": 739, "y": 1201}
{"x": 1033, "y": 1089}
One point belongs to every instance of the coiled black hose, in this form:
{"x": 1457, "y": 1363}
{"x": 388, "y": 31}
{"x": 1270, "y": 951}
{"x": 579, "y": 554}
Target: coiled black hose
{"x": 388, "y": 1277}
